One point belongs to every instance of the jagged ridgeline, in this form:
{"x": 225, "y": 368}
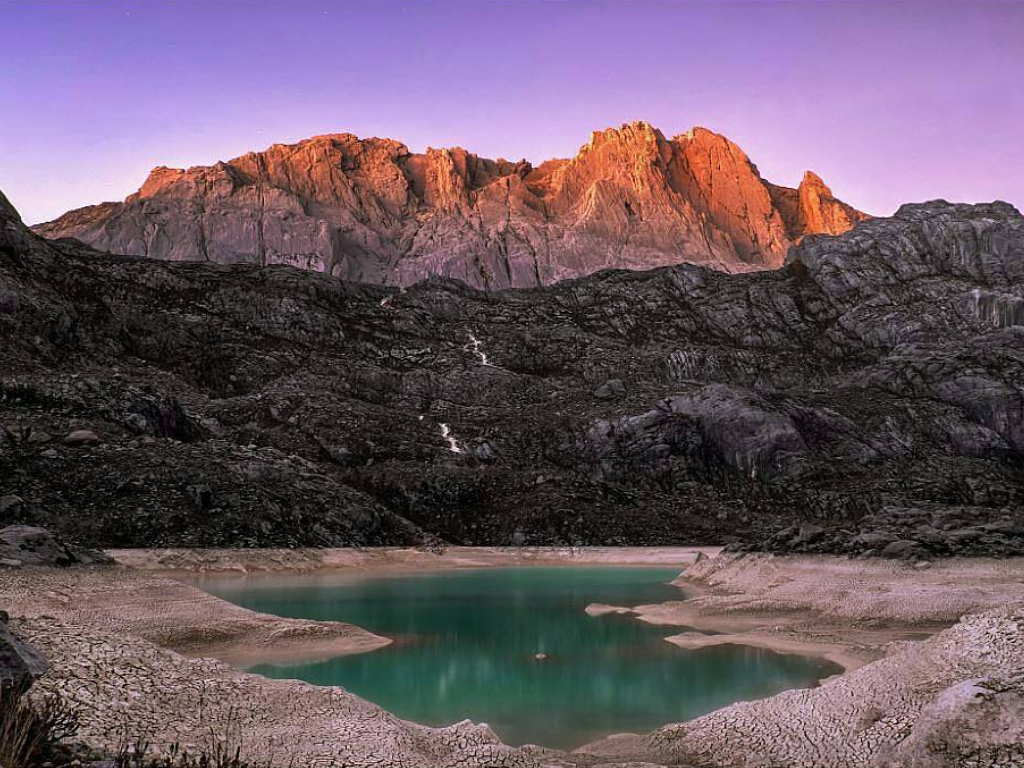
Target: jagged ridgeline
{"x": 370, "y": 210}
{"x": 866, "y": 396}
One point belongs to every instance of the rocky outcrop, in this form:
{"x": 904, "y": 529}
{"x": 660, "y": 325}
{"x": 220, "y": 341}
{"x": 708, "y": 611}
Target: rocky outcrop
{"x": 7, "y": 211}
{"x": 370, "y": 210}
{"x": 20, "y": 664}
{"x": 22, "y": 545}
{"x": 811, "y": 209}
{"x": 241, "y": 405}
{"x": 910, "y": 533}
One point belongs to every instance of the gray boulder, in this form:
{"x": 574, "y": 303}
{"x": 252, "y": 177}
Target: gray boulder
{"x": 26, "y": 545}
{"x": 10, "y": 504}
{"x": 20, "y": 663}
{"x": 904, "y": 548}
{"x": 611, "y": 390}
{"x": 82, "y": 437}
{"x": 749, "y": 434}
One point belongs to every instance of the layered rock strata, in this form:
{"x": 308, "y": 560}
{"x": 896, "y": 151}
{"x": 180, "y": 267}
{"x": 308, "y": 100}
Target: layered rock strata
{"x": 372, "y": 211}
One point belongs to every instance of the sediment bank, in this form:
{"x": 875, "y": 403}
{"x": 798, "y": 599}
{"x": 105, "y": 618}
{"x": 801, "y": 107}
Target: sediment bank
{"x": 131, "y": 647}
{"x": 398, "y": 559}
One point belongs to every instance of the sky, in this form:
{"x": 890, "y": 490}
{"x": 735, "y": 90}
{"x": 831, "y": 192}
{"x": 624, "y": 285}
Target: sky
{"x": 889, "y": 102}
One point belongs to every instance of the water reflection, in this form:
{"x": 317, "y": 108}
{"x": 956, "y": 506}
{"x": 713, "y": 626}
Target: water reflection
{"x": 469, "y": 645}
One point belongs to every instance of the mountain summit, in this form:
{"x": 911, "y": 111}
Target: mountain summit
{"x": 370, "y": 210}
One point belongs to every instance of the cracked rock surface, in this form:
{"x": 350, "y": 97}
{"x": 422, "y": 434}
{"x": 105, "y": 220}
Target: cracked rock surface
{"x": 865, "y": 398}
{"x": 952, "y": 699}
{"x": 127, "y": 685}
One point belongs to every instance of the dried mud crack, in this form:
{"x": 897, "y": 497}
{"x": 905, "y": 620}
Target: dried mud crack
{"x": 130, "y": 648}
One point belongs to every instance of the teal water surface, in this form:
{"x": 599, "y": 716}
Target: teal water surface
{"x": 466, "y": 645}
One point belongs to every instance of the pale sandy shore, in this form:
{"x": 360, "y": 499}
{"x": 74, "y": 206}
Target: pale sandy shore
{"x": 931, "y": 652}
{"x": 846, "y": 610}
{"x": 174, "y": 615}
{"x": 397, "y": 559}
{"x": 936, "y": 658}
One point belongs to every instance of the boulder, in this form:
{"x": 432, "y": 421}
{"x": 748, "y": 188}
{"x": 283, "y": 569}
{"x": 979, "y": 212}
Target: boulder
{"x": 749, "y": 434}
{"x": 904, "y": 548}
{"x": 23, "y": 545}
{"x": 20, "y": 663}
{"x": 977, "y": 722}
{"x": 873, "y": 539}
{"x": 11, "y": 504}
{"x": 82, "y": 437}
{"x": 808, "y": 533}
{"x": 610, "y": 390}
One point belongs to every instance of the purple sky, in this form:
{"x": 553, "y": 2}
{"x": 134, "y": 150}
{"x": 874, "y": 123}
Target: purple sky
{"x": 888, "y": 101}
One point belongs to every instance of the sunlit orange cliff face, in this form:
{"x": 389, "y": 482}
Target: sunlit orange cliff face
{"x": 370, "y": 210}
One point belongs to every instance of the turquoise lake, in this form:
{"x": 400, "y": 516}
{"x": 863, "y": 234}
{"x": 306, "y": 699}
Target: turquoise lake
{"x": 466, "y": 645}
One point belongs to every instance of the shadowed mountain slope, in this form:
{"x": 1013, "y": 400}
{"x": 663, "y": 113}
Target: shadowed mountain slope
{"x": 869, "y": 393}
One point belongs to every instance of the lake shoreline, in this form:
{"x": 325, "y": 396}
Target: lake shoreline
{"x": 782, "y": 629}
{"x": 789, "y": 604}
{"x": 933, "y": 651}
{"x": 345, "y": 565}
{"x": 376, "y": 560}
{"x": 512, "y": 646}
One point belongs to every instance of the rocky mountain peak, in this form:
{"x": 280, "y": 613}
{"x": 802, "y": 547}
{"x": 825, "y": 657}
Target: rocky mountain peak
{"x": 159, "y": 179}
{"x": 811, "y": 180}
{"x": 820, "y": 211}
{"x": 8, "y": 211}
{"x": 637, "y": 133}
{"x": 370, "y": 210}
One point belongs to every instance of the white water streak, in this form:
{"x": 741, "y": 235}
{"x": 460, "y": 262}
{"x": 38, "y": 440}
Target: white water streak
{"x": 474, "y": 346}
{"x": 453, "y": 444}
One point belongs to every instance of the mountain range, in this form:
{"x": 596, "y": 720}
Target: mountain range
{"x": 369, "y": 210}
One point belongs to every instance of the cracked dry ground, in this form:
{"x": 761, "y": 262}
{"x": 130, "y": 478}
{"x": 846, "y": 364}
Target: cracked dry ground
{"x": 955, "y": 699}
{"x": 113, "y": 638}
{"x": 927, "y": 705}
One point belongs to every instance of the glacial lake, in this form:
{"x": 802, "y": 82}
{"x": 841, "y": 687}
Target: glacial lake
{"x": 467, "y": 640}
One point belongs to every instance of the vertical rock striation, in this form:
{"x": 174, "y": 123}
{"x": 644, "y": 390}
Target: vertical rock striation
{"x": 372, "y": 211}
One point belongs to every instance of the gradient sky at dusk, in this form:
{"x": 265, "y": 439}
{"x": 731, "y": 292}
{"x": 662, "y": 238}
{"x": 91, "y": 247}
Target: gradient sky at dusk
{"x": 889, "y": 102}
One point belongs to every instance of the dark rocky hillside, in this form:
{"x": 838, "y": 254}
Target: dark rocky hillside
{"x": 868, "y": 396}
